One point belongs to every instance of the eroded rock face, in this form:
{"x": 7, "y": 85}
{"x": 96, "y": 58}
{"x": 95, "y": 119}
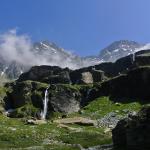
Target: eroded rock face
{"x": 133, "y": 133}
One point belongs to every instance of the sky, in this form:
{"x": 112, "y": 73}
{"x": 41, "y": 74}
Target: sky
{"x": 81, "y": 26}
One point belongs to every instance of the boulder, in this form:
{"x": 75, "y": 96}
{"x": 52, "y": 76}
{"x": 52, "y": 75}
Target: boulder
{"x": 119, "y": 135}
{"x": 86, "y": 77}
{"x": 35, "y": 122}
{"x": 133, "y": 133}
{"x": 64, "y": 98}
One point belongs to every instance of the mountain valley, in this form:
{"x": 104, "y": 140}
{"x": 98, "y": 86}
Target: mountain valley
{"x": 97, "y": 106}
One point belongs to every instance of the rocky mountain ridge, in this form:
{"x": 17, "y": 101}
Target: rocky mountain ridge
{"x": 50, "y": 54}
{"x": 119, "y": 49}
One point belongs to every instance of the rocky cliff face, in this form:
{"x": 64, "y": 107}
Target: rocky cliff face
{"x": 46, "y": 53}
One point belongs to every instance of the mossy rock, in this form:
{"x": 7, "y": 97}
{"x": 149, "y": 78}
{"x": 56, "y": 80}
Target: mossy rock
{"x": 64, "y": 98}
{"x": 26, "y": 111}
{"x": 22, "y": 93}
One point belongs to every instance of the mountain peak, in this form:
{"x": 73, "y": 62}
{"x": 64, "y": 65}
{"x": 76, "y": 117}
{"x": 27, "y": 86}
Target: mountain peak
{"x": 119, "y": 49}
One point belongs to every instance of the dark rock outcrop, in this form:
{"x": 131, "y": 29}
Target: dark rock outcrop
{"x": 119, "y": 135}
{"x": 142, "y": 58}
{"x": 133, "y": 133}
{"x": 47, "y": 74}
{"x": 64, "y": 98}
{"x": 125, "y": 64}
{"x": 57, "y": 75}
{"x": 135, "y": 85}
{"x": 86, "y": 76}
{"x": 22, "y": 93}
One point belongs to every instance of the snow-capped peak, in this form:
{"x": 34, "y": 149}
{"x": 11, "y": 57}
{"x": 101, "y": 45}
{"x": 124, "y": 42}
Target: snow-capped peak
{"x": 119, "y": 49}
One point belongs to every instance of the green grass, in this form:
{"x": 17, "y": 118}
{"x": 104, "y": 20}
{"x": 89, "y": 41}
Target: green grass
{"x": 87, "y": 138}
{"x": 103, "y": 105}
{"x": 60, "y": 147}
{"x": 26, "y": 111}
{"x": 14, "y": 133}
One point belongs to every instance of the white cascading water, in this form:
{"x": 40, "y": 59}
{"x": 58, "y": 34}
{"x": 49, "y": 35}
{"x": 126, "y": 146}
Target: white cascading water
{"x": 45, "y": 104}
{"x": 133, "y": 58}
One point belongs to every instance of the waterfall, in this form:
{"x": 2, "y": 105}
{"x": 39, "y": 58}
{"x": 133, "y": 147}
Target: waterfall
{"x": 45, "y": 104}
{"x": 133, "y": 57}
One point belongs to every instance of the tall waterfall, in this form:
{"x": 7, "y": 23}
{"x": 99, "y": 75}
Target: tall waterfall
{"x": 133, "y": 57}
{"x": 45, "y": 104}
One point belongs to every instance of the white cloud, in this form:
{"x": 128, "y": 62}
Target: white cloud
{"x": 14, "y": 47}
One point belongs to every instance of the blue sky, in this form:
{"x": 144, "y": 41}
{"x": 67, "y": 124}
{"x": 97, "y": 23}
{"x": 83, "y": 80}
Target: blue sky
{"x": 83, "y": 26}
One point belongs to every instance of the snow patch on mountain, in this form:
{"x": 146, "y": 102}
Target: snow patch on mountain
{"x": 119, "y": 49}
